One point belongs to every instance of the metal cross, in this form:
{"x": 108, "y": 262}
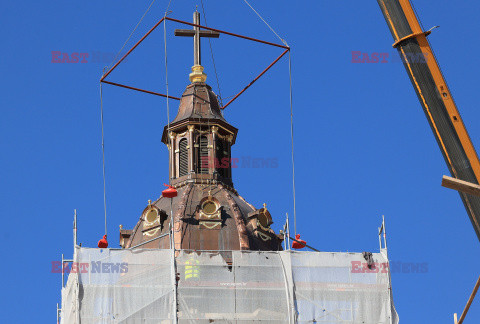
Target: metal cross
{"x": 196, "y": 33}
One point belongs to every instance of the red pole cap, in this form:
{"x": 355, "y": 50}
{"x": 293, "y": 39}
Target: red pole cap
{"x": 170, "y": 192}
{"x": 300, "y": 244}
{"x": 103, "y": 244}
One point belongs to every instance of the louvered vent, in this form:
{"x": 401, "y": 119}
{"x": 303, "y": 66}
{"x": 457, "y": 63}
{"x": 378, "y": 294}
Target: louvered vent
{"x": 183, "y": 158}
{"x": 222, "y": 168}
{"x": 203, "y": 155}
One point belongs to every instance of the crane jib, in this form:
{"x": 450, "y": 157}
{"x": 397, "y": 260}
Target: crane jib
{"x": 435, "y": 98}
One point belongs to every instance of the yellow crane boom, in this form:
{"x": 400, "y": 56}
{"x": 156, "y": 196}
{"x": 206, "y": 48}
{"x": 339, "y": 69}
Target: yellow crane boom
{"x": 435, "y": 97}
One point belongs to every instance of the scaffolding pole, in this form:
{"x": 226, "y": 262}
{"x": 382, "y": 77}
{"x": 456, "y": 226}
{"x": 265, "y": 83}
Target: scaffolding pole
{"x": 174, "y": 264}
{"x": 469, "y": 303}
{"x": 154, "y": 239}
{"x": 287, "y": 232}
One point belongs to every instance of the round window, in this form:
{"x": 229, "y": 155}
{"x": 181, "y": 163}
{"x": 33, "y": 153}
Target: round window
{"x": 263, "y": 219}
{"x": 209, "y": 207}
{"x": 151, "y": 215}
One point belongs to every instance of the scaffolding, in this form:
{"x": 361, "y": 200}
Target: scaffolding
{"x": 141, "y": 286}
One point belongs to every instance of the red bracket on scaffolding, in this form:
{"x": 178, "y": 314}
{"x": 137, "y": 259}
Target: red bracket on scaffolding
{"x": 204, "y": 27}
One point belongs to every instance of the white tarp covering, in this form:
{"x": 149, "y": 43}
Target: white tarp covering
{"x": 137, "y": 286}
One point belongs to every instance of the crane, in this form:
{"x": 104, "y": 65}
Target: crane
{"x": 443, "y": 116}
{"x": 435, "y": 97}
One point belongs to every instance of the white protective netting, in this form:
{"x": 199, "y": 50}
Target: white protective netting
{"x": 137, "y": 286}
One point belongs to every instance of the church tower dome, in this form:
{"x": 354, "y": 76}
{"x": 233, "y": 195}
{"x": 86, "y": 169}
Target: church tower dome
{"x": 208, "y": 213}
{"x": 199, "y": 139}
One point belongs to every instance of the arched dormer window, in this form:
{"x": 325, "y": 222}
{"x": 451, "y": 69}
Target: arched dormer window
{"x": 182, "y": 158}
{"x": 203, "y": 162}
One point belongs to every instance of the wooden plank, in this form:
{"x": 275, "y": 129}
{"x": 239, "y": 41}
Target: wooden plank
{"x": 460, "y": 185}
{"x": 470, "y": 301}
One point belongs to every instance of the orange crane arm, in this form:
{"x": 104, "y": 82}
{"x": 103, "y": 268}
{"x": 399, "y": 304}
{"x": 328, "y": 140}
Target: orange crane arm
{"x": 435, "y": 98}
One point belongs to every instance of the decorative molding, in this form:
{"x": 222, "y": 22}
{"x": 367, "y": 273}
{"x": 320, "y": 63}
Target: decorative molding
{"x": 215, "y": 215}
{"x": 181, "y": 209}
{"x": 263, "y": 236}
{"x": 266, "y": 229}
{"x": 242, "y": 230}
{"x": 210, "y": 224}
{"x": 152, "y": 231}
{"x": 151, "y": 227}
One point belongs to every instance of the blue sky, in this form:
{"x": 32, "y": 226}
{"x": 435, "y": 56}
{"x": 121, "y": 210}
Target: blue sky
{"x": 363, "y": 145}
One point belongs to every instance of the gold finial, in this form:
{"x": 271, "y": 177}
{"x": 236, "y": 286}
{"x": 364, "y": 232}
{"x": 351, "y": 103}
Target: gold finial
{"x": 121, "y": 226}
{"x": 149, "y": 202}
{"x": 264, "y": 206}
{"x": 197, "y": 74}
